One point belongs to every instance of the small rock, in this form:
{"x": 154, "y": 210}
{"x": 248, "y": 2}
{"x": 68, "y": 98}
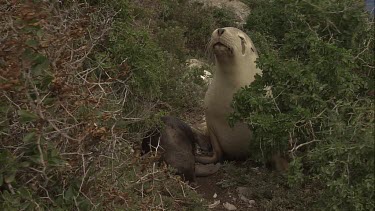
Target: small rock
{"x": 243, "y": 198}
{"x": 194, "y": 63}
{"x": 213, "y": 205}
{"x": 255, "y": 169}
{"x": 229, "y": 206}
{"x": 206, "y": 76}
{"x": 215, "y": 195}
{"x": 252, "y": 202}
{"x": 244, "y": 191}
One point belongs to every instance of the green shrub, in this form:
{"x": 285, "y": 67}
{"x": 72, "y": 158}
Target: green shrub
{"x": 318, "y": 60}
{"x": 197, "y": 27}
{"x": 81, "y": 85}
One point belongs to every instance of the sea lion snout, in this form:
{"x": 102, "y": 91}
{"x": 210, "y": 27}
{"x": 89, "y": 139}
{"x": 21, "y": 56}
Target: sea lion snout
{"x": 220, "y": 31}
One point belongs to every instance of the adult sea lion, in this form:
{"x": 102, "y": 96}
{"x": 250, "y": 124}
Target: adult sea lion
{"x": 176, "y": 142}
{"x": 235, "y": 56}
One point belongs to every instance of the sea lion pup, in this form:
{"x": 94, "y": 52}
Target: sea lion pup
{"x": 176, "y": 143}
{"x": 235, "y": 67}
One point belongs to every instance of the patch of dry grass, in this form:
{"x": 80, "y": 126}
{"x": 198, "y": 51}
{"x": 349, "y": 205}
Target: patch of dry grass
{"x": 65, "y": 138}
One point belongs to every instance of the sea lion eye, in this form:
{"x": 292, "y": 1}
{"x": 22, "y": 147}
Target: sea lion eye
{"x": 243, "y": 42}
{"x": 252, "y": 49}
{"x": 242, "y": 39}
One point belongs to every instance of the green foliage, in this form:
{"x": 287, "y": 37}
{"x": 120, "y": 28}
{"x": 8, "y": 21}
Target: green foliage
{"x": 195, "y": 27}
{"x": 315, "y": 97}
{"x": 88, "y": 78}
{"x": 172, "y": 39}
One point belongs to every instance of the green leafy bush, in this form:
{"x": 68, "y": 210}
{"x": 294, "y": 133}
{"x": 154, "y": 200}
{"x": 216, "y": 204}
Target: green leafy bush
{"x": 197, "y": 28}
{"x": 82, "y": 81}
{"x": 315, "y": 97}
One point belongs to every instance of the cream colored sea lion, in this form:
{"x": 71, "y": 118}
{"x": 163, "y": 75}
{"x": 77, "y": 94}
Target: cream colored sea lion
{"x": 235, "y": 67}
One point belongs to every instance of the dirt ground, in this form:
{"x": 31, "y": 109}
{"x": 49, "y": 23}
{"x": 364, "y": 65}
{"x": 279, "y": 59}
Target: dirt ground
{"x": 208, "y": 188}
{"x": 248, "y": 186}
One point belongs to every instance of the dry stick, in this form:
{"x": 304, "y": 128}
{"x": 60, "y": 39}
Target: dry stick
{"x": 39, "y": 111}
{"x": 161, "y": 204}
{"x": 10, "y": 188}
{"x": 301, "y": 145}
{"x": 68, "y": 112}
{"x": 112, "y": 155}
{"x": 42, "y": 158}
{"x": 366, "y": 48}
{"x": 95, "y": 206}
{"x": 153, "y": 175}
{"x": 76, "y": 203}
{"x": 48, "y": 197}
{"x": 84, "y": 174}
{"x": 66, "y": 128}
{"x": 142, "y": 179}
{"x": 169, "y": 192}
{"x": 182, "y": 188}
{"x": 4, "y": 93}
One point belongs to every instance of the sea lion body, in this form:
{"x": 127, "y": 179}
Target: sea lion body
{"x": 235, "y": 67}
{"x": 177, "y": 144}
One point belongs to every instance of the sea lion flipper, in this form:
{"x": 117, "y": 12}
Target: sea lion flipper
{"x": 206, "y": 170}
{"x": 217, "y": 152}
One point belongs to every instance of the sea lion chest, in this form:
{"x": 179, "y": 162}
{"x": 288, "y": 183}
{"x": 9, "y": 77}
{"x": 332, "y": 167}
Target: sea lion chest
{"x": 234, "y": 141}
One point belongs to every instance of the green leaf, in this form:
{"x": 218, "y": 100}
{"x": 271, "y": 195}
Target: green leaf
{"x": 28, "y": 137}
{"x": 69, "y": 194}
{"x": 24, "y": 193}
{"x": 28, "y": 54}
{"x": 39, "y": 33}
{"x": 40, "y": 59}
{"x": 32, "y": 43}
{"x": 26, "y": 116}
{"x": 25, "y": 164}
{"x": 42, "y": 63}
{"x": 46, "y": 80}
{"x": 49, "y": 100}
{"x": 25, "y": 205}
{"x": 10, "y": 177}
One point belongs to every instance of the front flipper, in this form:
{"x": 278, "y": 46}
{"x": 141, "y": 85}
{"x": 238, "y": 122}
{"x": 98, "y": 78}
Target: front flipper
{"x": 216, "y": 149}
{"x": 206, "y": 170}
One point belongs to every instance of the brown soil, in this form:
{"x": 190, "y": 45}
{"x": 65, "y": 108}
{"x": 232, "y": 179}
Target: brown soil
{"x": 268, "y": 189}
{"x": 208, "y": 187}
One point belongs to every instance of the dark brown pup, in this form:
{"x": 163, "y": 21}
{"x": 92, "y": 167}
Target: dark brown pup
{"x": 176, "y": 142}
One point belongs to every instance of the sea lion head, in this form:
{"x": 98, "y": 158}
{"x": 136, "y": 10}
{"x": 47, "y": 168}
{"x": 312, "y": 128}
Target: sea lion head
{"x": 230, "y": 45}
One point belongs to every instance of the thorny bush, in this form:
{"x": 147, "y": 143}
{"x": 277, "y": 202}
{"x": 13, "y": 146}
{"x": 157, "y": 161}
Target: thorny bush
{"x": 315, "y": 97}
{"x": 81, "y": 81}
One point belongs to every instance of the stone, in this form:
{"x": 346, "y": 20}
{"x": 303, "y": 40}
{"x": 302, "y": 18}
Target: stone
{"x": 213, "y": 205}
{"x": 229, "y": 206}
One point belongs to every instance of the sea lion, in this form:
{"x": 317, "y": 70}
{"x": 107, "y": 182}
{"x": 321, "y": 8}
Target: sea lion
{"x": 176, "y": 141}
{"x": 235, "y": 56}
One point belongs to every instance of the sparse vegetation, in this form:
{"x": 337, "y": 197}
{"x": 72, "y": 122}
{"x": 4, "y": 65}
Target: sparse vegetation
{"x": 82, "y": 81}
